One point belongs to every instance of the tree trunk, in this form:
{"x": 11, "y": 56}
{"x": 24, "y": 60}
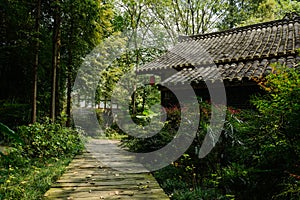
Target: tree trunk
{"x": 58, "y": 96}
{"x": 36, "y": 61}
{"x": 69, "y": 74}
{"x": 55, "y": 58}
{"x": 134, "y": 109}
{"x": 69, "y": 88}
{"x": 144, "y": 99}
{"x": 69, "y": 97}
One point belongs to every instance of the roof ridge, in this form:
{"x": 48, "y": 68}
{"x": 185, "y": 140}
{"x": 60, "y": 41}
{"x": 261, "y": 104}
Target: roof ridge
{"x": 288, "y": 17}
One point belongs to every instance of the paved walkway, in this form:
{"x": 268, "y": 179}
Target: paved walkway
{"x": 103, "y": 173}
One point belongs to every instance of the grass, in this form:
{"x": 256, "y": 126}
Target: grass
{"x": 33, "y": 180}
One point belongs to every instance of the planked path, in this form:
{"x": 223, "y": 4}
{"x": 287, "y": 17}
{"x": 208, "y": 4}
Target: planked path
{"x": 102, "y": 172}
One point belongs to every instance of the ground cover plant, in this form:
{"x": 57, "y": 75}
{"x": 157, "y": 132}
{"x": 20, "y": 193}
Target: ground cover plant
{"x": 34, "y": 157}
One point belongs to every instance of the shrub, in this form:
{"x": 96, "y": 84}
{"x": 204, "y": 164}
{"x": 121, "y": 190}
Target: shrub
{"x": 159, "y": 140}
{"x": 37, "y": 155}
{"x": 49, "y": 140}
{"x": 262, "y": 146}
{"x": 279, "y": 140}
{"x": 256, "y": 157}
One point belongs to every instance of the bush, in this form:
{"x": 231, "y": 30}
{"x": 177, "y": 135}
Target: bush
{"x": 37, "y": 154}
{"x": 200, "y": 194}
{"x": 49, "y": 140}
{"x": 256, "y": 157}
{"x": 262, "y": 146}
{"x": 279, "y": 140}
{"x": 159, "y": 140}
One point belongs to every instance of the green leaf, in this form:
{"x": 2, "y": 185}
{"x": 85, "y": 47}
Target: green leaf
{"x": 10, "y": 133}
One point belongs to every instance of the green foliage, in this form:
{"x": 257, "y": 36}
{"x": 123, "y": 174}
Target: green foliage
{"x": 49, "y": 140}
{"x": 188, "y": 17}
{"x": 281, "y": 105}
{"x": 9, "y": 133}
{"x": 111, "y": 73}
{"x": 42, "y": 141}
{"x": 163, "y": 137}
{"x": 84, "y": 25}
{"x": 260, "y": 149}
{"x": 175, "y": 182}
{"x": 279, "y": 110}
{"x": 257, "y": 156}
{"x": 31, "y": 181}
{"x": 248, "y": 12}
{"x": 14, "y": 114}
{"x": 148, "y": 144}
{"x": 5, "y": 131}
{"x": 199, "y": 194}
{"x": 268, "y": 10}
{"x": 37, "y": 154}
{"x": 238, "y": 11}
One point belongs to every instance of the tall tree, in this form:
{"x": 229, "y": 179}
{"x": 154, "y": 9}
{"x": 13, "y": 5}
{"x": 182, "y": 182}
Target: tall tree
{"x": 188, "y": 17}
{"x": 237, "y": 12}
{"x": 16, "y": 26}
{"x": 36, "y": 61}
{"x": 134, "y": 13}
{"x": 21, "y": 42}
{"x": 85, "y": 25}
{"x": 268, "y": 10}
{"x": 56, "y": 40}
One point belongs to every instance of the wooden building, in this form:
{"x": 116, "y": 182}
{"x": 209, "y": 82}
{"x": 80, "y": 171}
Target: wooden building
{"x": 237, "y": 57}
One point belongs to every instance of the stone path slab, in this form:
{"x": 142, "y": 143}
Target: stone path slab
{"x": 87, "y": 177}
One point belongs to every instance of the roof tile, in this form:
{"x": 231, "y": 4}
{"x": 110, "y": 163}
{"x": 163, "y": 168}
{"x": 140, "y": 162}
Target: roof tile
{"x": 236, "y": 53}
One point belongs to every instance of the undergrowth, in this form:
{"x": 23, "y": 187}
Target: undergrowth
{"x": 34, "y": 157}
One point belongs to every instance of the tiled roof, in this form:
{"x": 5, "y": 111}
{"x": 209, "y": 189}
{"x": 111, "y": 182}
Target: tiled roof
{"x": 236, "y": 53}
{"x": 254, "y": 69}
